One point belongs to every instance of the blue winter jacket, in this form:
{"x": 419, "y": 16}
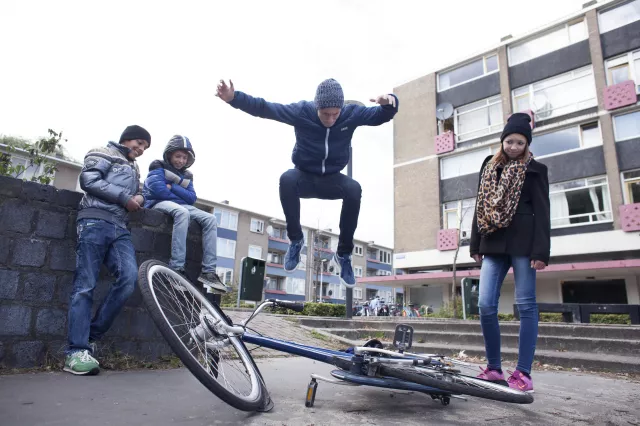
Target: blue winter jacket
{"x": 155, "y": 186}
{"x": 318, "y": 149}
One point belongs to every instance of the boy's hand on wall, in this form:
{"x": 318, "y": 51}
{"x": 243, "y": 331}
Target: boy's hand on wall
{"x": 139, "y": 199}
{"x": 132, "y": 205}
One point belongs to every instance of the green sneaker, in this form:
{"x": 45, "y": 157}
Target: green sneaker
{"x": 81, "y": 363}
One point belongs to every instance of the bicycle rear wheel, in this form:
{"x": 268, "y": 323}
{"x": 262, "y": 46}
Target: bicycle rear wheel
{"x": 184, "y": 317}
{"x": 457, "y": 384}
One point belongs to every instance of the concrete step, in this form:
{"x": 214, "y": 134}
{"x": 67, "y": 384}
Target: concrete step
{"x": 582, "y": 360}
{"x": 509, "y": 340}
{"x": 591, "y": 331}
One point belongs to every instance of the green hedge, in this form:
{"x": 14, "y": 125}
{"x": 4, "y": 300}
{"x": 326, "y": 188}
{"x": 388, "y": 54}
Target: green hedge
{"x": 316, "y": 310}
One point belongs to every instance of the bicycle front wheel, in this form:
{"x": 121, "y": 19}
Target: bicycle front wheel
{"x": 184, "y": 316}
{"x": 457, "y": 384}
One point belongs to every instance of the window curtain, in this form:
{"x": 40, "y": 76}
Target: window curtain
{"x": 559, "y": 209}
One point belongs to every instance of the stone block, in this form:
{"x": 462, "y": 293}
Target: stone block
{"x": 135, "y": 300}
{"x": 1, "y": 352}
{"x": 51, "y": 321}
{"x": 142, "y": 239}
{"x": 17, "y": 216}
{"x": 163, "y": 243}
{"x": 120, "y": 326}
{"x": 28, "y": 354}
{"x": 142, "y": 325}
{"x": 63, "y": 256}
{"x": 5, "y": 249}
{"x": 8, "y": 284}
{"x": 64, "y": 288}
{"x": 72, "y": 227}
{"x": 127, "y": 347}
{"x": 154, "y": 350}
{"x": 38, "y": 287}
{"x": 38, "y": 192}
{"x": 15, "y": 320}
{"x": 52, "y": 225}
{"x": 154, "y": 218}
{"x": 66, "y": 198}
{"x": 29, "y": 252}
{"x": 10, "y": 187}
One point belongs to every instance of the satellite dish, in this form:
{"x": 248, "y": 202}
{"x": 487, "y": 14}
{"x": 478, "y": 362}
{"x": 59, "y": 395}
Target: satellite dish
{"x": 444, "y": 111}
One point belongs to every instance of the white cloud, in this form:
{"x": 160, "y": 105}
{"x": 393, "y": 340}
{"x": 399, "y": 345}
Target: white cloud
{"x": 92, "y": 70}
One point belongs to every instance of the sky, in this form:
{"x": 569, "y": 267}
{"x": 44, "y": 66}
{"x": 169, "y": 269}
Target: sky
{"x": 90, "y": 69}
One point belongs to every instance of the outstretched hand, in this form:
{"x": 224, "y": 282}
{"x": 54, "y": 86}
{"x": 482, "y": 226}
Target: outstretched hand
{"x": 385, "y": 100}
{"x": 224, "y": 92}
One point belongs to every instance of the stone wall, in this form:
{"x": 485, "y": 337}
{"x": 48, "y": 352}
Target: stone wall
{"x": 37, "y": 260}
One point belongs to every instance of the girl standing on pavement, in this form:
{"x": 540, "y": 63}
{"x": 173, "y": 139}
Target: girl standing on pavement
{"x": 511, "y": 228}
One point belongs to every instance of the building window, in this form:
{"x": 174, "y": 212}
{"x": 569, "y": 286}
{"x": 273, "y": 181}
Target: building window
{"x": 627, "y": 126}
{"x": 303, "y": 262}
{"x": 295, "y": 286}
{"x": 257, "y": 226}
{"x": 459, "y": 214}
{"x": 226, "y": 248}
{"x": 226, "y": 219}
{"x": 255, "y": 252}
{"x": 631, "y": 186}
{"x": 357, "y": 293}
{"x": 584, "y": 136}
{"x": 29, "y": 171}
{"x": 624, "y": 68}
{"x": 384, "y": 256}
{"x": 272, "y": 284}
{"x": 225, "y": 274}
{"x": 358, "y": 250}
{"x": 276, "y": 258}
{"x": 580, "y": 202}
{"x": 553, "y": 40}
{"x": 357, "y": 270}
{"x": 478, "y": 119}
{"x": 559, "y": 95}
{"x": 619, "y": 16}
{"x": 467, "y": 72}
{"x": 280, "y": 233}
{"x": 464, "y": 164}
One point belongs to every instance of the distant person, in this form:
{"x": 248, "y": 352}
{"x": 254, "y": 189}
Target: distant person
{"x": 169, "y": 189}
{"x": 511, "y": 228}
{"x": 111, "y": 181}
{"x": 323, "y": 130}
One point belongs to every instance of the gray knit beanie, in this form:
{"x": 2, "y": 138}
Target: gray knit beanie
{"x": 329, "y": 95}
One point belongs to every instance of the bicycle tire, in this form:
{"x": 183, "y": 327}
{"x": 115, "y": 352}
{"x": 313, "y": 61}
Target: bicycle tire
{"x": 416, "y": 376}
{"x": 261, "y": 402}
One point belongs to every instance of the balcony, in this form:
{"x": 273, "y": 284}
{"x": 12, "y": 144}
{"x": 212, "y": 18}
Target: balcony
{"x": 447, "y": 239}
{"x": 277, "y": 270}
{"x": 377, "y": 265}
{"x": 620, "y": 95}
{"x": 630, "y": 217}
{"x": 445, "y": 142}
{"x": 278, "y": 244}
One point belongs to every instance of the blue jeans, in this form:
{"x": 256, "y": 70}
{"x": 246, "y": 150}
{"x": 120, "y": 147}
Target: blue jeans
{"x": 99, "y": 242}
{"x": 182, "y": 216}
{"x": 296, "y": 184}
{"x": 493, "y": 271}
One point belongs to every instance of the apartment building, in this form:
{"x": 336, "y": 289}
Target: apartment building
{"x": 243, "y": 233}
{"x": 579, "y": 79}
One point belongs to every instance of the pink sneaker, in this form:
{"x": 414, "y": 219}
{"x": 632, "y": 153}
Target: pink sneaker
{"x": 520, "y": 382}
{"x": 491, "y": 375}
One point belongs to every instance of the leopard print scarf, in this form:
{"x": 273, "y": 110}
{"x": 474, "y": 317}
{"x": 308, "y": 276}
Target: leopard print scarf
{"x": 498, "y": 199}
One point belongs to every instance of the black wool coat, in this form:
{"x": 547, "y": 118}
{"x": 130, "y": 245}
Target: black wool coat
{"x": 529, "y": 231}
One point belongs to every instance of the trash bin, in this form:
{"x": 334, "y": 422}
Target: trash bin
{"x": 470, "y": 296}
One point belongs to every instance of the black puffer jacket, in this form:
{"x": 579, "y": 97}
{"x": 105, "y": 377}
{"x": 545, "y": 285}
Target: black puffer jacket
{"x": 529, "y": 232}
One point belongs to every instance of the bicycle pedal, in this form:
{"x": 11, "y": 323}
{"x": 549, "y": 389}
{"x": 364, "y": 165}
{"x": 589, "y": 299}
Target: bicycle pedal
{"x": 403, "y": 337}
{"x": 311, "y": 393}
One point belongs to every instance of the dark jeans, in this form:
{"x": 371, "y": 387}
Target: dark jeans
{"x": 99, "y": 241}
{"x": 296, "y": 184}
{"x": 494, "y": 270}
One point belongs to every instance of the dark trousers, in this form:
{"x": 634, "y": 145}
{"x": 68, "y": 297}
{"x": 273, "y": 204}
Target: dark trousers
{"x": 296, "y": 184}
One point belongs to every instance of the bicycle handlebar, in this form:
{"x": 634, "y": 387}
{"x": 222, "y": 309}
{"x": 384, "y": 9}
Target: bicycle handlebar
{"x": 294, "y": 306}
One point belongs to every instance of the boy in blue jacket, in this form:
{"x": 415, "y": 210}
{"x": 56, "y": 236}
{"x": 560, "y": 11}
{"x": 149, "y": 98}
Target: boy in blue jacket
{"x": 323, "y": 130}
{"x": 169, "y": 189}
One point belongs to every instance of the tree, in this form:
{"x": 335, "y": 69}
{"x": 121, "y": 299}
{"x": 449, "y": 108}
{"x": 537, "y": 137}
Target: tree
{"x": 39, "y": 157}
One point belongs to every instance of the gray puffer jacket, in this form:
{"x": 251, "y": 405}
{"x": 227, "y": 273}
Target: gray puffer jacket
{"x": 109, "y": 180}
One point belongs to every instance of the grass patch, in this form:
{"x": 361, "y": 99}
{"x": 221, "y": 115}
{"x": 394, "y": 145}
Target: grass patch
{"x": 319, "y": 336}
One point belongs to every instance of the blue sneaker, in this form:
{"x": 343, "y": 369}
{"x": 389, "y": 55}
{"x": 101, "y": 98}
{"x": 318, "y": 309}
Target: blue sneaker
{"x": 292, "y": 258}
{"x": 345, "y": 270}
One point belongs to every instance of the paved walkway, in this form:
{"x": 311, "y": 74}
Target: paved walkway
{"x": 175, "y": 397}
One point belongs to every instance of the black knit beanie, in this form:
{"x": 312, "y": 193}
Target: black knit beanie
{"x": 135, "y": 132}
{"x": 518, "y": 123}
{"x": 329, "y": 95}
